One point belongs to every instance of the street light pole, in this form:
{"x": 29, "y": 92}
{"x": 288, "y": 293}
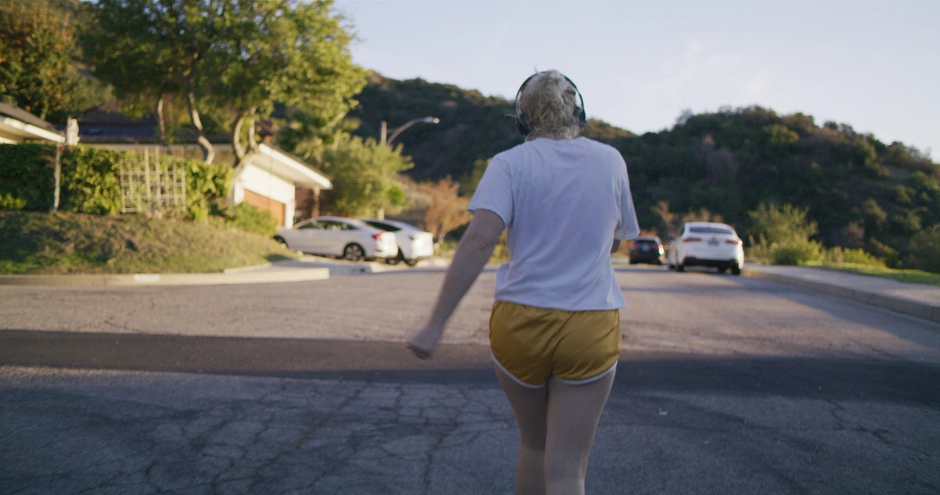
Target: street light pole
{"x": 386, "y": 140}
{"x": 395, "y": 132}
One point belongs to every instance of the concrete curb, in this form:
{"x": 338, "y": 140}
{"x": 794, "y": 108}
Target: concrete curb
{"x": 899, "y": 304}
{"x": 257, "y": 276}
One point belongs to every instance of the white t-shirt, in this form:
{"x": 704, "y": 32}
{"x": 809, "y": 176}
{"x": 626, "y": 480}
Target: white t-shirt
{"x": 563, "y": 203}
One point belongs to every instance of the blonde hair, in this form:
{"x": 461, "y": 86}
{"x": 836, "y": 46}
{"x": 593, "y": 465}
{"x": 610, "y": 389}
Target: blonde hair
{"x": 548, "y": 103}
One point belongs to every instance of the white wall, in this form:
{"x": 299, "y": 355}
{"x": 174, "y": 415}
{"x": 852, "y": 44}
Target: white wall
{"x": 257, "y": 179}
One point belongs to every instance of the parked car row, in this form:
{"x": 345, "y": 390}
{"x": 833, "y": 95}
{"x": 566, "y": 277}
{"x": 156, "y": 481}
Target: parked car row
{"x": 355, "y": 240}
{"x": 700, "y": 244}
{"x": 706, "y": 244}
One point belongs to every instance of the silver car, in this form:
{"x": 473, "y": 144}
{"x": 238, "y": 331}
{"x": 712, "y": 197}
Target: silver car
{"x": 341, "y": 237}
{"x": 707, "y": 244}
{"x": 414, "y": 244}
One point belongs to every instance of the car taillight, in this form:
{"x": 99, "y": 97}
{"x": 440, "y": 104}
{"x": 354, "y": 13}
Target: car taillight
{"x": 692, "y": 239}
{"x": 377, "y": 236}
{"x": 734, "y": 241}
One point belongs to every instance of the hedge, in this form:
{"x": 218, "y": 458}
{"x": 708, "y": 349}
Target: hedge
{"x": 90, "y": 181}
{"x": 27, "y": 179}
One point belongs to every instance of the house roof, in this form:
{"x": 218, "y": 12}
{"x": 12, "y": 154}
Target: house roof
{"x": 18, "y": 125}
{"x": 288, "y": 166}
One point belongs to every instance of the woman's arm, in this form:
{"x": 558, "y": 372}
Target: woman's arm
{"x": 472, "y": 253}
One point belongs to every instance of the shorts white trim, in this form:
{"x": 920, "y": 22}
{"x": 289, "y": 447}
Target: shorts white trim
{"x": 562, "y": 380}
{"x": 591, "y": 379}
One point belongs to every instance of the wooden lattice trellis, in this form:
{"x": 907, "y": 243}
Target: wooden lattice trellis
{"x": 152, "y": 183}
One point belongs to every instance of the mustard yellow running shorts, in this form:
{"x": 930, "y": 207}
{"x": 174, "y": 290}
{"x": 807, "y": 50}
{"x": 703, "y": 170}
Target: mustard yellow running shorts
{"x": 531, "y": 344}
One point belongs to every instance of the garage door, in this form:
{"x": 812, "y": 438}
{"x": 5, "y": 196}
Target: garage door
{"x": 263, "y": 203}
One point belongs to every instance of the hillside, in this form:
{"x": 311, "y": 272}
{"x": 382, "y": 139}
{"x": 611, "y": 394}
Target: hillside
{"x": 861, "y": 192}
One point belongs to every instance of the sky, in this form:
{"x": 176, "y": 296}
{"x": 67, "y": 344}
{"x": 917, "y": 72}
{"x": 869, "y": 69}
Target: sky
{"x": 639, "y": 65}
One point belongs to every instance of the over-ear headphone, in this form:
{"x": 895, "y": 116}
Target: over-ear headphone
{"x": 522, "y": 124}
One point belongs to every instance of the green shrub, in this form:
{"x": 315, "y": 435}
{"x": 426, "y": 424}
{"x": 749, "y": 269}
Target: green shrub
{"x": 10, "y": 202}
{"x": 90, "y": 182}
{"x": 247, "y": 218}
{"x": 207, "y": 189}
{"x": 795, "y": 251}
{"x": 27, "y": 175}
{"x": 840, "y": 256}
{"x": 925, "y": 250}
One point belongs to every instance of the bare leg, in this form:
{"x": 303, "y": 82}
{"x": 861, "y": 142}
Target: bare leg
{"x": 573, "y": 413}
{"x": 530, "y": 407}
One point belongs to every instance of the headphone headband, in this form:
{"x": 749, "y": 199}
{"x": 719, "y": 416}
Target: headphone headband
{"x": 522, "y": 124}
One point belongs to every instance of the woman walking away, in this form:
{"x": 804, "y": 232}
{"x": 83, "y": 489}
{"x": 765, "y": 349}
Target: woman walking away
{"x": 565, "y": 203}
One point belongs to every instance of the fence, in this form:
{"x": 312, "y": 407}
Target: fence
{"x": 152, "y": 183}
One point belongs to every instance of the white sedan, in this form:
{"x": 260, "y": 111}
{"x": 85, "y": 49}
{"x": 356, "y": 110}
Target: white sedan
{"x": 707, "y": 244}
{"x": 414, "y": 244}
{"x": 340, "y": 237}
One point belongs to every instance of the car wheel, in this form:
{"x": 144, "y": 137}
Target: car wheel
{"x": 411, "y": 262}
{"x": 722, "y": 269}
{"x": 735, "y": 270}
{"x": 680, "y": 267}
{"x": 396, "y": 259}
{"x": 280, "y": 240}
{"x": 354, "y": 252}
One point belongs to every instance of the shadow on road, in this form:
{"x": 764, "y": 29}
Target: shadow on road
{"x": 833, "y": 377}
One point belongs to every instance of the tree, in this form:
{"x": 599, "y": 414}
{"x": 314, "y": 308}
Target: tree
{"x": 925, "y": 250}
{"x": 148, "y": 49}
{"x": 782, "y": 235}
{"x": 36, "y": 48}
{"x": 234, "y": 56}
{"x": 445, "y": 210}
{"x": 290, "y": 52}
{"x": 308, "y": 133}
{"x": 363, "y": 173}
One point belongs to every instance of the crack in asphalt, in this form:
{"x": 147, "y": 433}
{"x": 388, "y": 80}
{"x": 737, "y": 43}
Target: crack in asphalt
{"x": 306, "y": 436}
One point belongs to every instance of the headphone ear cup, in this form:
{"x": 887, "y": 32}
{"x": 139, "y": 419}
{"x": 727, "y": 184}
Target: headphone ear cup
{"x": 522, "y": 125}
{"x": 579, "y": 114}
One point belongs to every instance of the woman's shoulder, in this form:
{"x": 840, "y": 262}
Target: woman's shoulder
{"x": 596, "y": 145}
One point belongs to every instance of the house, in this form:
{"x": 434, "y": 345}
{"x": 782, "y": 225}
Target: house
{"x": 18, "y": 126}
{"x": 268, "y": 180}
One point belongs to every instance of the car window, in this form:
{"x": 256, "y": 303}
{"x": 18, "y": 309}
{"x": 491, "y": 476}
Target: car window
{"x": 332, "y": 225}
{"x": 310, "y": 225}
{"x": 710, "y": 230}
{"x": 384, "y": 226}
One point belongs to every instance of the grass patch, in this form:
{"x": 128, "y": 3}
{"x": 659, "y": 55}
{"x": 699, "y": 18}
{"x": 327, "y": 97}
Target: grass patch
{"x": 70, "y": 243}
{"x": 911, "y": 276}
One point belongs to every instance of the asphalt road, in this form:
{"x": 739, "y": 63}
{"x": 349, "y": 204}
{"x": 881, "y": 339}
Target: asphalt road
{"x": 726, "y": 385}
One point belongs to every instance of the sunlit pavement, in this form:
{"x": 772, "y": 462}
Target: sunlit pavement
{"x": 726, "y": 385}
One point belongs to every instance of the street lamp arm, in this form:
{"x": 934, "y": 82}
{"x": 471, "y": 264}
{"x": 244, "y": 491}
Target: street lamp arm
{"x": 396, "y": 132}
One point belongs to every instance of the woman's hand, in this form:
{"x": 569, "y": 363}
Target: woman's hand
{"x": 472, "y": 253}
{"x": 424, "y": 341}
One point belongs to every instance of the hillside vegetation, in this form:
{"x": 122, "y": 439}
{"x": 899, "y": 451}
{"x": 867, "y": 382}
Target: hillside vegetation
{"x": 859, "y": 192}
{"x": 62, "y": 243}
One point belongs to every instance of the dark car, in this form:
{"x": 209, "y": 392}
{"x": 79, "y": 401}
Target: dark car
{"x": 646, "y": 249}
